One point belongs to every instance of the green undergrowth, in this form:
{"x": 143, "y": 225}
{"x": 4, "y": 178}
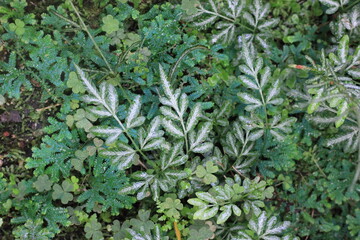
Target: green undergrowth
{"x": 212, "y": 119}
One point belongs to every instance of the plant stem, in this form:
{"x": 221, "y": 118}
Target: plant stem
{"x": 84, "y": 27}
{"x": 357, "y": 173}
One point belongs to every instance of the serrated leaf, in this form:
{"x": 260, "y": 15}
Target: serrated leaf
{"x": 88, "y": 84}
{"x": 99, "y": 111}
{"x": 193, "y": 117}
{"x": 133, "y": 113}
{"x": 249, "y": 99}
{"x": 203, "y": 147}
{"x": 172, "y": 128}
{"x": 123, "y": 157}
{"x": 111, "y": 133}
{"x": 169, "y": 113}
{"x": 247, "y": 82}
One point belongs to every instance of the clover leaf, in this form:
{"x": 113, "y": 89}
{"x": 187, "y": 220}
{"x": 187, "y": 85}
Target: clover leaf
{"x": 63, "y": 192}
{"x": 75, "y": 84}
{"x": 170, "y": 207}
{"x": 110, "y": 24}
{"x": 17, "y": 27}
{"x": 207, "y": 173}
{"x": 43, "y": 183}
{"x": 83, "y": 119}
{"x": 93, "y": 229}
{"x": 189, "y": 6}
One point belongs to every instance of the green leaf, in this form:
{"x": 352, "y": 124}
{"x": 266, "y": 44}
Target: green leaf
{"x": 93, "y": 229}
{"x": 343, "y": 48}
{"x": 224, "y": 215}
{"x": 43, "y": 183}
{"x": 17, "y": 27}
{"x": 171, "y": 207}
{"x": 189, "y": 6}
{"x": 110, "y": 24}
{"x": 2, "y": 100}
{"x": 206, "y": 213}
{"x": 75, "y": 84}
{"x": 206, "y": 173}
{"x": 63, "y": 192}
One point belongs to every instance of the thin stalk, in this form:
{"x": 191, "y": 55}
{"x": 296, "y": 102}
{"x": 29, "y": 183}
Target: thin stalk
{"x": 186, "y": 52}
{"x": 218, "y": 15}
{"x": 357, "y": 173}
{"x": 65, "y": 19}
{"x": 85, "y": 28}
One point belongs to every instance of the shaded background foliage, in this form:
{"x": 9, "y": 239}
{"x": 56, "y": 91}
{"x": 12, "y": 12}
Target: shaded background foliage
{"x": 56, "y": 183}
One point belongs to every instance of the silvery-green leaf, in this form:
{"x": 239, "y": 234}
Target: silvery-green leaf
{"x": 153, "y": 144}
{"x": 177, "y": 175}
{"x": 196, "y": 202}
{"x": 155, "y": 189}
{"x": 249, "y": 18}
{"x": 90, "y": 99}
{"x": 206, "y": 21}
{"x": 276, "y": 101}
{"x": 354, "y": 73}
{"x": 166, "y": 86}
{"x": 269, "y": 23}
{"x": 203, "y": 147}
{"x": 193, "y": 117}
{"x": 100, "y": 111}
{"x": 277, "y": 135}
{"x": 165, "y": 101}
{"x": 273, "y": 91}
{"x": 144, "y": 192}
{"x": 206, "y": 197}
{"x": 111, "y": 133}
{"x": 172, "y": 128}
{"x": 133, "y": 111}
{"x": 265, "y": 76}
{"x": 343, "y": 108}
{"x": 169, "y": 113}
{"x": 201, "y": 135}
{"x": 88, "y": 84}
{"x": 236, "y": 210}
{"x": 206, "y": 213}
{"x": 256, "y": 135}
{"x": 313, "y": 106}
{"x": 132, "y": 188}
{"x": 183, "y": 104}
{"x": 124, "y": 156}
{"x": 259, "y": 64}
{"x": 247, "y": 57}
{"x": 332, "y": 4}
{"x": 137, "y": 122}
{"x": 224, "y": 215}
{"x": 231, "y": 148}
{"x": 111, "y": 98}
{"x": 249, "y": 99}
{"x": 343, "y": 48}
{"x": 153, "y": 132}
{"x": 247, "y": 82}
{"x": 239, "y": 133}
{"x": 245, "y": 69}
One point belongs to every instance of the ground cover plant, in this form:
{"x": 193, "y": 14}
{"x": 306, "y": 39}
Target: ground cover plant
{"x": 182, "y": 119}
